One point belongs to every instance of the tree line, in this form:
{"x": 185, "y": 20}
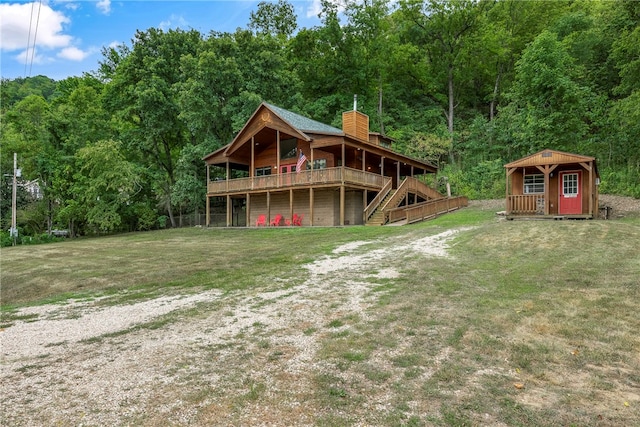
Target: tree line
{"x": 468, "y": 85}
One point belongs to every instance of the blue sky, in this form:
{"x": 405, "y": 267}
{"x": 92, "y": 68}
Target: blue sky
{"x": 71, "y": 33}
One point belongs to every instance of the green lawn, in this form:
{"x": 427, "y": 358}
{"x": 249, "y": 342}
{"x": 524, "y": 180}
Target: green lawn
{"x": 524, "y": 323}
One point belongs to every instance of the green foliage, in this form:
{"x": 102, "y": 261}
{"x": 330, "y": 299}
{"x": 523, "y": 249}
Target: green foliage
{"x": 7, "y": 240}
{"x": 105, "y": 182}
{"x": 484, "y": 180}
{"x": 274, "y": 18}
{"x": 625, "y": 182}
{"x": 548, "y": 107}
{"x": 470, "y": 83}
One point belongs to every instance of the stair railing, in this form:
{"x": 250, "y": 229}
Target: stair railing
{"x": 371, "y": 207}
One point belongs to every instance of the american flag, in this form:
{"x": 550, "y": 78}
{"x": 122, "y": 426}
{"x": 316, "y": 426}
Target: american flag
{"x": 301, "y": 161}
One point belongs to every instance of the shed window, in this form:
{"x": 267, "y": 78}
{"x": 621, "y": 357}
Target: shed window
{"x": 534, "y": 184}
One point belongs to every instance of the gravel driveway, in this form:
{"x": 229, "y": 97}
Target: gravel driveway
{"x": 91, "y": 363}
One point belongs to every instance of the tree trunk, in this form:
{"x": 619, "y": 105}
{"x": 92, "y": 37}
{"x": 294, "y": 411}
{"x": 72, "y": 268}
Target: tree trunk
{"x": 171, "y": 217}
{"x": 494, "y": 98}
{"x": 450, "y": 115}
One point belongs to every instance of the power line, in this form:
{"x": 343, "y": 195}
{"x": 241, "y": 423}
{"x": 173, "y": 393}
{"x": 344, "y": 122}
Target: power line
{"x": 26, "y": 56}
{"x": 35, "y": 36}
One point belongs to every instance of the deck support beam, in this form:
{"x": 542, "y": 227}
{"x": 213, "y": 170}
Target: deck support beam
{"x": 229, "y": 208}
{"x": 248, "y": 213}
{"x": 291, "y": 204}
{"x": 546, "y": 170}
{"x": 208, "y": 212}
{"x": 278, "y": 158}
{"x": 268, "y": 207}
{"x": 342, "y": 193}
{"x": 311, "y": 206}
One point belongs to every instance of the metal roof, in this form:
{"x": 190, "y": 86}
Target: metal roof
{"x": 303, "y": 123}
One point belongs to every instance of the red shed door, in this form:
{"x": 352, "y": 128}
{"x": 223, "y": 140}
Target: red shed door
{"x": 570, "y": 198}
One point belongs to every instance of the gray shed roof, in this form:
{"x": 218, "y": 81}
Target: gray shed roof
{"x": 302, "y": 123}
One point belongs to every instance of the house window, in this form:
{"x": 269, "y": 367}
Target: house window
{"x": 288, "y": 148}
{"x": 263, "y": 171}
{"x": 318, "y": 164}
{"x": 534, "y": 184}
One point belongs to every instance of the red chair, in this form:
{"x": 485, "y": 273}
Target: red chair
{"x": 276, "y": 221}
{"x": 261, "y": 221}
{"x": 297, "y": 220}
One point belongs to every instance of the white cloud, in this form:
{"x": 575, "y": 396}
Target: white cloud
{"x": 18, "y": 18}
{"x": 73, "y": 54}
{"x": 174, "y": 21}
{"x": 314, "y": 9}
{"x": 32, "y": 56}
{"x": 104, "y": 6}
{"x": 69, "y": 4}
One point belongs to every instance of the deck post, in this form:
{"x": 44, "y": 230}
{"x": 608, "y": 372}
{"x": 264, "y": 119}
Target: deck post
{"x": 547, "y": 202}
{"x": 342, "y": 205}
{"x": 278, "y": 158}
{"x": 252, "y": 171}
{"x": 506, "y": 197}
{"x": 228, "y": 210}
{"x": 268, "y": 207}
{"x": 364, "y": 204}
{"x": 208, "y": 211}
{"x": 591, "y": 187}
{"x": 248, "y": 213}
{"x": 291, "y": 203}
{"x": 311, "y": 206}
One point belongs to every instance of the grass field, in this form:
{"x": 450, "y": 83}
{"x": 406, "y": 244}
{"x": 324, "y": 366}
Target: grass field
{"x": 520, "y": 323}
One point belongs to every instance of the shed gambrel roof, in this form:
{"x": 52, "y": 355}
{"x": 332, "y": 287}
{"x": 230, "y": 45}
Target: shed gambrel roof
{"x": 549, "y": 157}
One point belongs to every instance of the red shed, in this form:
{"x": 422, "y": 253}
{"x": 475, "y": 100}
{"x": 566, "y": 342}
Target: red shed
{"x": 552, "y": 184}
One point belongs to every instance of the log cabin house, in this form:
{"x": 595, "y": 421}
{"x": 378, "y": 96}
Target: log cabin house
{"x": 552, "y": 184}
{"x": 286, "y": 169}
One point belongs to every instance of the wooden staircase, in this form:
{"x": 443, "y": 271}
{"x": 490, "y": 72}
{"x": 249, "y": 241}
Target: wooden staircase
{"x": 395, "y": 197}
{"x": 379, "y": 217}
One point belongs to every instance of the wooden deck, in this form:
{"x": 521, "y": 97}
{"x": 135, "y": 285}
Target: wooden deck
{"x": 547, "y": 217}
{"x": 315, "y": 178}
{"x": 525, "y": 204}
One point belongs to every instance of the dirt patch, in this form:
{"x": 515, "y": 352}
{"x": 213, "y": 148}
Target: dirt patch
{"x": 622, "y": 206}
{"x": 87, "y": 364}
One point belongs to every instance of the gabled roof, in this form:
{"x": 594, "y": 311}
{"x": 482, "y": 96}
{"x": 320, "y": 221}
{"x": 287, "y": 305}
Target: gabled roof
{"x": 302, "y": 123}
{"x": 549, "y": 157}
{"x": 295, "y": 124}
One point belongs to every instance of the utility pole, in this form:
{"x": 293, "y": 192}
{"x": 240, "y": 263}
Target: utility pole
{"x": 14, "y": 228}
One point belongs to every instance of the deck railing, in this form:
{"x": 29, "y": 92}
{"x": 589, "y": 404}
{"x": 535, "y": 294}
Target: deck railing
{"x": 428, "y": 209}
{"x": 525, "y": 204}
{"x": 375, "y": 203}
{"x": 316, "y": 177}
